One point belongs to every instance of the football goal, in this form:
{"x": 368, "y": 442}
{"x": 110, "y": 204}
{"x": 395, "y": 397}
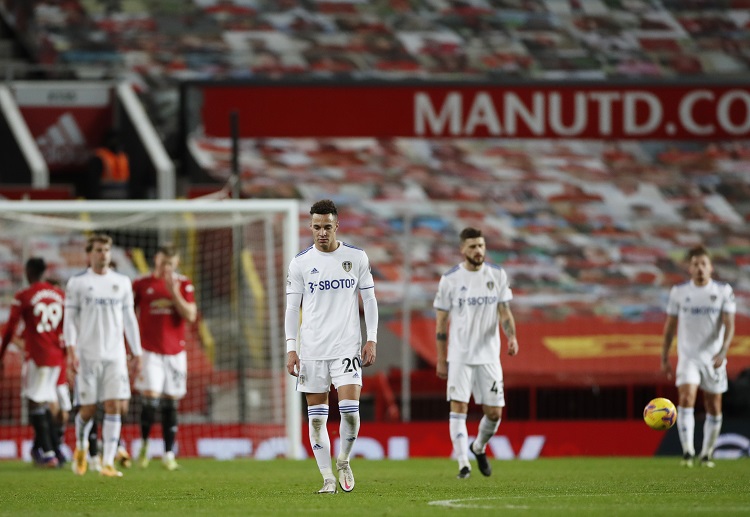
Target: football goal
{"x": 240, "y": 400}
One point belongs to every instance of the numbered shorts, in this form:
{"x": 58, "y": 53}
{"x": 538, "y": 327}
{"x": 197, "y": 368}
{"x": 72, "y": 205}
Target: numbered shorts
{"x": 39, "y": 382}
{"x": 483, "y": 381}
{"x": 165, "y": 374}
{"x": 99, "y": 380}
{"x": 317, "y": 376}
{"x": 703, "y": 374}
{"x": 63, "y": 397}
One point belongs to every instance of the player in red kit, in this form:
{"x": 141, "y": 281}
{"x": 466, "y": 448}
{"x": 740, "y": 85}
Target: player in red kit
{"x": 40, "y": 308}
{"x": 164, "y": 301}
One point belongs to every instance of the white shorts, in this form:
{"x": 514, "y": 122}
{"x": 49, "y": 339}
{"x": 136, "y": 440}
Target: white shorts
{"x": 39, "y": 382}
{"x": 317, "y": 376}
{"x": 165, "y": 374}
{"x": 99, "y": 380}
{"x": 703, "y": 374}
{"x": 483, "y": 381}
{"x": 63, "y": 397}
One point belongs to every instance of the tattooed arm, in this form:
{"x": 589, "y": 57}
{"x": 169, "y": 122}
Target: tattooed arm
{"x": 509, "y": 326}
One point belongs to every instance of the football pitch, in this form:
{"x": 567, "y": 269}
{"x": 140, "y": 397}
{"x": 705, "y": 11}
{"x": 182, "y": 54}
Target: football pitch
{"x": 418, "y": 487}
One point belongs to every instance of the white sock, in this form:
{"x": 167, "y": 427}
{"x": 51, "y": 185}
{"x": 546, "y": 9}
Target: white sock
{"x": 317, "y": 416}
{"x": 686, "y": 429}
{"x": 349, "y": 428}
{"x": 487, "y": 429}
{"x": 711, "y": 430}
{"x": 460, "y": 438}
{"x": 110, "y": 438}
{"x": 82, "y": 432}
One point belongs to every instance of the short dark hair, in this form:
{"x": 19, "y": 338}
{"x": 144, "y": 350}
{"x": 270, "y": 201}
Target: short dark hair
{"x": 470, "y": 233}
{"x": 168, "y": 250}
{"x": 324, "y": 206}
{"x": 35, "y": 268}
{"x": 697, "y": 251}
{"x": 97, "y": 237}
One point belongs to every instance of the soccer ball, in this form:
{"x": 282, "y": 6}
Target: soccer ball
{"x": 660, "y": 414}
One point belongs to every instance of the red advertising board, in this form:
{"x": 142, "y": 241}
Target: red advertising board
{"x": 588, "y": 110}
{"x": 581, "y": 350}
{"x": 67, "y": 120}
{"x": 398, "y": 441}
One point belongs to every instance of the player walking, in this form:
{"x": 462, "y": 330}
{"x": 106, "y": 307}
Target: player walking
{"x": 327, "y": 279}
{"x": 701, "y": 312}
{"x": 474, "y": 297}
{"x": 99, "y": 315}
{"x": 164, "y": 300}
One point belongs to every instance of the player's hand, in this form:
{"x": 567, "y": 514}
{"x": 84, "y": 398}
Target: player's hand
{"x": 292, "y": 363}
{"x": 512, "y": 346}
{"x": 172, "y": 283}
{"x": 368, "y": 353}
{"x": 666, "y": 368}
{"x": 73, "y": 362}
{"x": 719, "y": 360}
{"x": 442, "y": 369}
{"x": 136, "y": 364}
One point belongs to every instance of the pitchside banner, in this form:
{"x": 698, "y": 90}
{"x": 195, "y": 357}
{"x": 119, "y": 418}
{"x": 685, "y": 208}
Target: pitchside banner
{"x": 401, "y": 441}
{"x": 590, "y": 110}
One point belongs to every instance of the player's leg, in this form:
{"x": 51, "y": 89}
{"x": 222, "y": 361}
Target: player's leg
{"x": 488, "y": 391}
{"x": 713, "y": 384}
{"x": 42, "y": 432}
{"x": 94, "y": 453}
{"x": 64, "y": 406}
{"x": 458, "y": 393}
{"x": 122, "y": 456}
{"x": 346, "y": 376}
{"x": 687, "y": 394}
{"x": 111, "y": 427}
{"x": 169, "y": 430}
{"x": 175, "y": 387}
{"x": 348, "y": 432}
{"x": 85, "y": 398}
{"x": 315, "y": 381}
{"x": 39, "y": 390}
{"x": 149, "y": 384}
{"x": 687, "y": 379}
{"x": 115, "y": 391}
{"x": 84, "y": 421}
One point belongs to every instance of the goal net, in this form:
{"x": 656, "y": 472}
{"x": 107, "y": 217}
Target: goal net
{"x": 240, "y": 401}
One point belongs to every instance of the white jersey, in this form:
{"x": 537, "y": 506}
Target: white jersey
{"x": 700, "y": 331}
{"x": 99, "y": 314}
{"x": 471, "y": 298}
{"x": 330, "y": 284}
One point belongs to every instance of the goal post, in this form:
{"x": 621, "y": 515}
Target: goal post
{"x": 236, "y": 253}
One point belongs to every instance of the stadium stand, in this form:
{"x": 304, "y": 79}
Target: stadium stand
{"x": 591, "y": 232}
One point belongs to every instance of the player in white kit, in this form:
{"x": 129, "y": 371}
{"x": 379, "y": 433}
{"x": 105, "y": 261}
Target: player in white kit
{"x": 701, "y": 313}
{"x": 327, "y": 280}
{"x": 474, "y": 298}
{"x": 99, "y": 314}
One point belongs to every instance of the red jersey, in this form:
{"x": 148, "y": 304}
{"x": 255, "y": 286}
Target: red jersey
{"x": 40, "y": 307}
{"x": 162, "y": 328}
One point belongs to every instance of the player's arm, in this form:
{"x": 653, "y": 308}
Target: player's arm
{"x": 188, "y": 310}
{"x": 132, "y": 333}
{"x": 670, "y": 330}
{"x": 727, "y": 319}
{"x": 70, "y": 327}
{"x": 291, "y": 330}
{"x": 508, "y": 324}
{"x": 441, "y": 340}
{"x": 370, "y": 307}
{"x": 10, "y": 328}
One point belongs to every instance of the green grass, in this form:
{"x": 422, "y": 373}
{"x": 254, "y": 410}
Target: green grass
{"x": 579, "y": 486}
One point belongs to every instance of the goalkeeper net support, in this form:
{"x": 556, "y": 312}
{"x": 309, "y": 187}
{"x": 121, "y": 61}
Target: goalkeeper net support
{"x": 240, "y": 400}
